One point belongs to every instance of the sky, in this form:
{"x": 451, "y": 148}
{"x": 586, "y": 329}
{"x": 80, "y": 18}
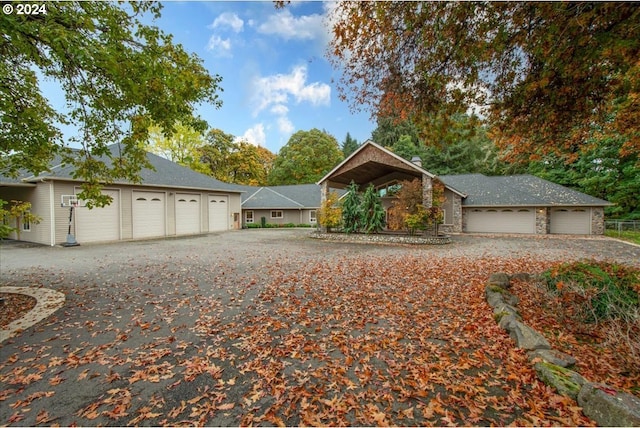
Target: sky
{"x": 276, "y": 79}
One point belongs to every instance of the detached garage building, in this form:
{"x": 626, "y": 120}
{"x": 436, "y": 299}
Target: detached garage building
{"x": 170, "y": 201}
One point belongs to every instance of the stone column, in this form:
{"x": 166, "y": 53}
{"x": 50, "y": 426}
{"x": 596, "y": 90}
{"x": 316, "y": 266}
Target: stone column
{"x": 427, "y": 191}
{"x": 324, "y": 192}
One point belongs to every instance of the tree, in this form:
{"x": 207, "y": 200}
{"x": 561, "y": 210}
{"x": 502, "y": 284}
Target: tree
{"x": 119, "y": 76}
{"x": 351, "y": 209}
{"x": 545, "y": 71}
{"x": 390, "y": 130}
{"x": 372, "y": 211}
{"x": 407, "y": 202}
{"x": 20, "y": 212}
{"x": 330, "y": 213}
{"x": 349, "y": 145}
{"x": 181, "y": 147}
{"x": 306, "y": 158}
{"x": 234, "y": 161}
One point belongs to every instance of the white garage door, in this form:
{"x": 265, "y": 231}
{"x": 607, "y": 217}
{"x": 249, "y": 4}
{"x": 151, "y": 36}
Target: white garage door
{"x": 148, "y": 214}
{"x": 99, "y": 224}
{"x": 574, "y": 221}
{"x": 501, "y": 220}
{"x": 187, "y": 214}
{"x": 218, "y": 213}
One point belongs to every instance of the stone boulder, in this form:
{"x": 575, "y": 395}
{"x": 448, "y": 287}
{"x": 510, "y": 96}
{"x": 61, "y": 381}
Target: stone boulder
{"x": 609, "y": 407}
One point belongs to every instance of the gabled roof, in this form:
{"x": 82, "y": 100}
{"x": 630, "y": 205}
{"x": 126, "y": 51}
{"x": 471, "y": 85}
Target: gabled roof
{"x": 297, "y": 196}
{"x": 517, "y": 190}
{"x": 380, "y": 166}
{"x": 166, "y": 174}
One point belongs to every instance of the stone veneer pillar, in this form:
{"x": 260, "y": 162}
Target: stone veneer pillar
{"x": 427, "y": 191}
{"x": 597, "y": 221}
{"x": 324, "y": 192}
{"x": 457, "y": 213}
{"x": 542, "y": 221}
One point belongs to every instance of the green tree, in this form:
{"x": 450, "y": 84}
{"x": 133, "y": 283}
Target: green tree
{"x": 390, "y": 130}
{"x": 20, "y": 212}
{"x": 349, "y": 145}
{"x": 306, "y": 158}
{"x": 352, "y": 209}
{"x": 372, "y": 211}
{"x": 181, "y": 147}
{"x": 545, "y": 71}
{"x": 119, "y": 76}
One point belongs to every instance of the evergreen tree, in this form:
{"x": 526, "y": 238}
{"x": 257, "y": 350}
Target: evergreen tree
{"x": 349, "y": 145}
{"x": 351, "y": 212}
{"x": 372, "y": 211}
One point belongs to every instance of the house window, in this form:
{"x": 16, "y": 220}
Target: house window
{"x": 312, "y": 216}
{"x": 26, "y": 224}
{"x": 277, "y": 214}
{"x": 248, "y": 216}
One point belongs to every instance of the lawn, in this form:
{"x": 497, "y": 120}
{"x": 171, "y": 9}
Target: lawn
{"x": 626, "y": 235}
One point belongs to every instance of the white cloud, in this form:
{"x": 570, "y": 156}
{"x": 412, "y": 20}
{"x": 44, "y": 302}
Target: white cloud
{"x": 287, "y": 26}
{"x": 279, "y": 109}
{"x": 230, "y": 20}
{"x": 219, "y": 46}
{"x": 254, "y": 135}
{"x": 276, "y": 90}
{"x": 285, "y": 126}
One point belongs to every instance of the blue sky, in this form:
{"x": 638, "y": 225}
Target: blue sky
{"x": 275, "y": 76}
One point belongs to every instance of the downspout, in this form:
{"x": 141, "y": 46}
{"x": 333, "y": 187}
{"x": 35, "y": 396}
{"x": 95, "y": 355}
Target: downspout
{"x": 52, "y": 215}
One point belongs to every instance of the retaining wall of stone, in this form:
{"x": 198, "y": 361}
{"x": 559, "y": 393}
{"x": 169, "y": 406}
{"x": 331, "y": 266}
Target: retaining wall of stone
{"x": 602, "y": 403}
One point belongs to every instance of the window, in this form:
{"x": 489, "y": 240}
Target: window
{"x": 277, "y": 214}
{"x": 312, "y": 216}
{"x": 248, "y": 216}
{"x": 26, "y": 224}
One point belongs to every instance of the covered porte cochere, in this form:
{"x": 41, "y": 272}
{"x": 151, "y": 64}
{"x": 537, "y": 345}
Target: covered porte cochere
{"x": 373, "y": 164}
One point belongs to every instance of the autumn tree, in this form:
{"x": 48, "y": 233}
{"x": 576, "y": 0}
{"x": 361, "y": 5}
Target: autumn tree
{"x": 330, "y": 213}
{"x": 20, "y": 213}
{"x": 234, "y": 161}
{"x": 119, "y": 75}
{"x": 349, "y": 145}
{"x": 306, "y": 158}
{"x": 545, "y": 72}
{"x": 407, "y": 201}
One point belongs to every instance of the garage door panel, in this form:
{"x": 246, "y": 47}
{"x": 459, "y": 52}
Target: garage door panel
{"x": 149, "y": 218}
{"x": 501, "y": 220}
{"x": 218, "y": 213}
{"x": 572, "y": 221}
{"x": 187, "y": 214}
{"x": 99, "y": 224}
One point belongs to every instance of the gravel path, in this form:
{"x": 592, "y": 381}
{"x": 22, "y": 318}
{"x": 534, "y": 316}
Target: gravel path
{"x": 270, "y": 327}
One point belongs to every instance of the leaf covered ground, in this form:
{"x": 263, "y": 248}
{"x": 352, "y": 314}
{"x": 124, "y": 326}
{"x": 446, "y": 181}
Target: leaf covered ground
{"x": 293, "y": 333}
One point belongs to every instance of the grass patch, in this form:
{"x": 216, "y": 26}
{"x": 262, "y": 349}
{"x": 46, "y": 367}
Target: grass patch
{"x": 625, "y": 235}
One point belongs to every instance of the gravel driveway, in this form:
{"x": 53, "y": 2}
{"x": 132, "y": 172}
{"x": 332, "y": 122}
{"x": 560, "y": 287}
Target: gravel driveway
{"x": 271, "y": 327}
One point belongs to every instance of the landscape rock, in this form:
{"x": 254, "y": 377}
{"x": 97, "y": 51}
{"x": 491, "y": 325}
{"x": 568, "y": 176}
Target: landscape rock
{"x": 553, "y": 356}
{"x": 565, "y": 381}
{"x": 526, "y": 337}
{"x": 521, "y": 276}
{"x": 494, "y": 298}
{"x": 500, "y": 279}
{"x": 609, "y": 407}
{"x": 506, "y": 309}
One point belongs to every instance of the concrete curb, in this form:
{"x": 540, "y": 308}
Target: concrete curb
{"x": 48, "y": 301}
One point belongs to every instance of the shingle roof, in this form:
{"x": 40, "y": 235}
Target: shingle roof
{"x": 166, "y": 174}
{"x": 516, "y": 190}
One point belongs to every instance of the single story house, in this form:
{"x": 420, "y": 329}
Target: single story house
{"x": 171, "y": 200}
{"x": 291, "y": 204}
{"x": 475, "y": 202}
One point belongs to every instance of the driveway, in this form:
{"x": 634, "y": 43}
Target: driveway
{"x": 272, "y": 327}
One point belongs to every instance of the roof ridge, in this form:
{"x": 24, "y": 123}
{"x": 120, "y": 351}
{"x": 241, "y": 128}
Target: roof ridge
{"x": 287, "y": 198}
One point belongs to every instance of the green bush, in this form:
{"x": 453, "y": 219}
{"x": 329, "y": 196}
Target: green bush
{"x": 601, "y": 290}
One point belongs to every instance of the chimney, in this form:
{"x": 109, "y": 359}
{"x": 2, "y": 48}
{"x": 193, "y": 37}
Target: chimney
{"x": 416, "y": 160}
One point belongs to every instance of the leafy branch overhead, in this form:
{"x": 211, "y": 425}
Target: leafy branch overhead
{"x": 119, "y": 76}
{"x": 545, "y": 72}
